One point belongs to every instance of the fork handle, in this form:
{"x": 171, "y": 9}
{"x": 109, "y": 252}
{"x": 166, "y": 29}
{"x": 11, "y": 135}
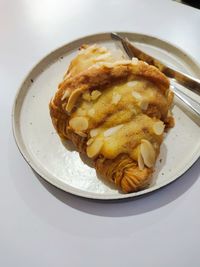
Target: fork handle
{"x": 194, "y": 105}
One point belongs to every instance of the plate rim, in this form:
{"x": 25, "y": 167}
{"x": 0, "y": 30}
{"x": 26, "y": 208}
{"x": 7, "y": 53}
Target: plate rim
{"x": 60, "y": 184}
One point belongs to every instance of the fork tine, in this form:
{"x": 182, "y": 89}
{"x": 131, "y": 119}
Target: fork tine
{"x": 116, "y": 36}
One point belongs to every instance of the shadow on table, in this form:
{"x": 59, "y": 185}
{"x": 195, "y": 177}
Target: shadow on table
{"x": 128, "y": 207}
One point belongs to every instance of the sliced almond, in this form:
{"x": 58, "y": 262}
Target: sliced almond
{"x": 112, "y": 130}
{"x": 86, "y": 50}
{"x": 148, "y": 153}
{"x": 103, "y": 56}
{"x": 72, "y": 99}
{"x": 140, "y": 162}
{"x": 158, "y": 127}
{"x": 79, "y": 123}
{"x": 116, "y": 98}
{"x": 90, "y": 141}
{"x": 134, "y": 60}
{"x": 94, "y": 132}
{"x": 136, "y": 95}
{"x": 95, "y": 94}
{"x": 132, "y": 83}
{"x": 65, "y": 95}
{"x": 91, "y": 112}
{"x": 81, "y": 134}
{"x": 96, "y": 65}
{"x": 94, "y": 149}
{"x": 64, "y": 106}
{"x": 86, "y": 96}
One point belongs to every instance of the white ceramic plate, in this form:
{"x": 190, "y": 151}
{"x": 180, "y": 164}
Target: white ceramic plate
{"x": 43, "y": 150}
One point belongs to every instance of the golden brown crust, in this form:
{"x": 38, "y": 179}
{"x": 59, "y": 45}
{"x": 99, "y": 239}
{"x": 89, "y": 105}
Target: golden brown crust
{"x": 124, "y": 173}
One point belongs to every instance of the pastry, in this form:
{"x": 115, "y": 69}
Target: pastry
{"x": 116, "y": 111}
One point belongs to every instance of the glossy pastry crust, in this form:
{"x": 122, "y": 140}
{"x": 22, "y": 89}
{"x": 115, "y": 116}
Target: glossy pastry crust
{"x": 115, "y": 111}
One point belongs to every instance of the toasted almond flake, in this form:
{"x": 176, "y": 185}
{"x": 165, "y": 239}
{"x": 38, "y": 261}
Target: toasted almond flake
{"x": 91, "y": 112}
{"x": 86, "y": 96}
{"x": 81, "y": 134}
{"x": 103, "y": 64}
{"x": 147, "y": 153}
{"x": 72, "y": 99}
{"x": 85, "y": 51}
{"x": 95, "y": 94}
{"x": 112, "y": 130}
{"x": 132, "y": 83}
{"x": 79, "y": 123}
{"x": 140, "y": 161}
{"x": 63, "y": 105}
{"x": 134, "y": 60}
{"x": 144, "y": 105}
{"x": 136, "y": 95}
{"x": 94, "y": 149}
{"x": 97, "y": 65}
{"x": 90, "y": 141}
{"x": 94, "y": 132}
{"x": 158, "y": 127}
{"x": 116, "y": 98}
{"x": 111, "y": 64}
{"x": 103, "y": 56}
{"x": 65, "y": 95}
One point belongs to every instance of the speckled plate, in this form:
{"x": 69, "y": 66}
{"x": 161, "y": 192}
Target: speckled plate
{"x": 62, "y": 166}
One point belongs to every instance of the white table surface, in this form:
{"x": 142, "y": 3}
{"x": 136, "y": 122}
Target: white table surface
{"x": 43, "y": 226}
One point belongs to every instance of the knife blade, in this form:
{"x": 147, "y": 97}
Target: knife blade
{"x": 184, "y": 79}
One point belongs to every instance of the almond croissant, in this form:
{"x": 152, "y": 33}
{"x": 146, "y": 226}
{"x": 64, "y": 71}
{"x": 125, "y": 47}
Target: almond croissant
{"x": 115, "y": 111}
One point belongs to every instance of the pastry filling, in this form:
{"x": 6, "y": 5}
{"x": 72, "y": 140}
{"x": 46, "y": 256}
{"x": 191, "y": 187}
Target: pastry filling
{"x": 126, "y": 118}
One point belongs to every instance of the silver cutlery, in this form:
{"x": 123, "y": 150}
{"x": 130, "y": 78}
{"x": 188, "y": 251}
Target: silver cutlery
{"x": 185, "y": 80}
